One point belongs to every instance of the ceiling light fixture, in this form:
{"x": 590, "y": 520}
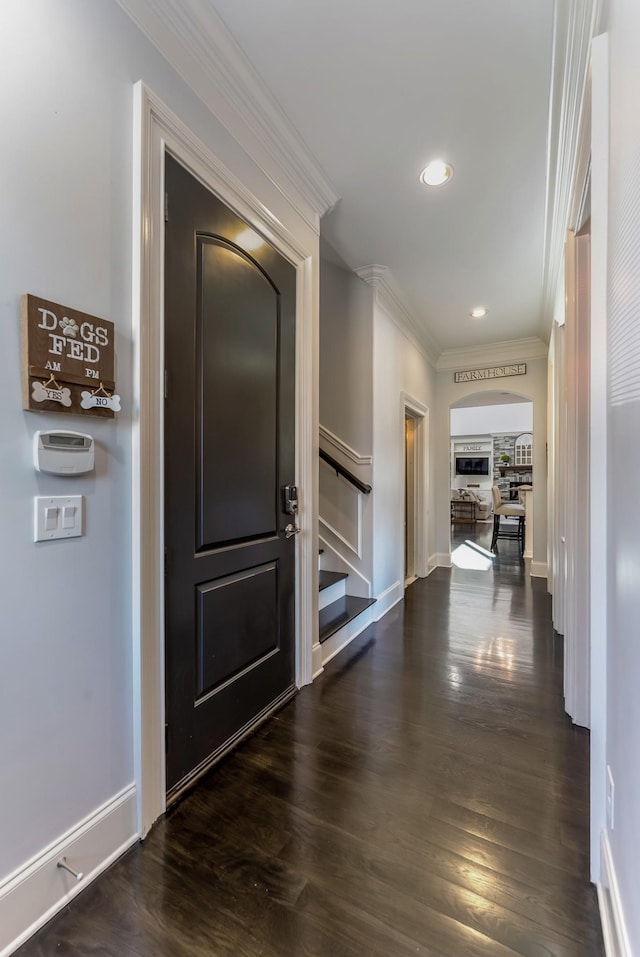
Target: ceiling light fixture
{"x": 478, "y": 312}
{"x": 436, "y": 173}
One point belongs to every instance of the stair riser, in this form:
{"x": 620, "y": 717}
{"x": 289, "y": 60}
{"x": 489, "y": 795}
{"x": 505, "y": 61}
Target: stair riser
{"x": 335, "y": 644}
{"x": 331, "y": 594}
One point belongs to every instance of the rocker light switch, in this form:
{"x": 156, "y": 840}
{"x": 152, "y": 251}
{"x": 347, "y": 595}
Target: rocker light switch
{"x": 50, "y": 518}
{"x": 57, "y": 517}
{"x": 68, "y": 516}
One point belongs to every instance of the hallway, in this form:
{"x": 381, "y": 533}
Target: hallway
{"x": 426, "y": 796}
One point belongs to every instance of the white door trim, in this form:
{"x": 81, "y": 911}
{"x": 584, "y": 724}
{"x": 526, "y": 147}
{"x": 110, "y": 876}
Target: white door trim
{"x": 598, "y": 412}
{"x": 416, "y": 410}
{"x": 156, "y": 130}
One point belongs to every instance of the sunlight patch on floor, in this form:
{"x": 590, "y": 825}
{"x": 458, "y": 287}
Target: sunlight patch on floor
{"x": 473, "y": 557}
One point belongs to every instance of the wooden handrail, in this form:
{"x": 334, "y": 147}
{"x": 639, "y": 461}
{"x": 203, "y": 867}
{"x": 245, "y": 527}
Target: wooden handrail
{"x": 341, "y": 470}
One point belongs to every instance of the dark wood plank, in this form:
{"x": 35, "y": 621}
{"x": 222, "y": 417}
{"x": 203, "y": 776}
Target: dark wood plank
{"x": 426, "y": 796}
{"x": 340, "y": 613}
{"x": 326, "y": 579}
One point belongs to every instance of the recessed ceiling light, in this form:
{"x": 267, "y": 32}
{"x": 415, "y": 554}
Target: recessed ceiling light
{"x": 478, "y": 312}
{"x": 437, "y": 173}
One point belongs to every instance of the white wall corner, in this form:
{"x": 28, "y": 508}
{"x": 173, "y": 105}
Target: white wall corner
{"x": 32, "y": 895}
{"x": 539, "y": 570}
{"x": 614, "y": 927}
{"x": 317, "y": 666}
{"x": 385, "y": 601}
{"x": 432, "y": 562}
{"x": 443, "y": 559}
{"x": 390, "y": 299}
{"x": 195, "y": 41}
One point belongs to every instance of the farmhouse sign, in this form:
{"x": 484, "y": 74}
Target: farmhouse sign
{"x": 67, "y": 360}
{"x": 497, "y": 372}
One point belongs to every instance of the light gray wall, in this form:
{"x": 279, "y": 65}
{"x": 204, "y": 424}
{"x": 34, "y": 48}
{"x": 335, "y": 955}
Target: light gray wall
{"x": 623, "y": 428}
{"x": 399, "y": 368}
{"x": 67, "y": 70}
{"x": 346, "y": 353}
{"x": 367, "y": 364}
{"x": 346, "y": 410}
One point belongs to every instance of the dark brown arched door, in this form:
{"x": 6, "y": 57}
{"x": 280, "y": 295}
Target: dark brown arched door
{"x": 229, "y": 448}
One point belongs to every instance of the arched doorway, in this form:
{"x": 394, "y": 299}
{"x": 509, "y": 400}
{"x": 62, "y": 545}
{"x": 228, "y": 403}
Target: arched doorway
{"x": 491, "y": 446}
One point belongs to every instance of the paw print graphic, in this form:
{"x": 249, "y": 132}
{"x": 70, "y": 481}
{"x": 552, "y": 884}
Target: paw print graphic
{"x": 69, "y": 327}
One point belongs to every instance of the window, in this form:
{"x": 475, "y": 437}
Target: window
{"x": 524, "y": 449}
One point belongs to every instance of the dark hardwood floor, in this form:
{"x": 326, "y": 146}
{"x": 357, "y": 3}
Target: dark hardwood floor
{"x": 426, "y": 796}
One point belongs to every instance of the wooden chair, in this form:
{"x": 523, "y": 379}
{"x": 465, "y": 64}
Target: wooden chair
{"x": 506, "y": 509}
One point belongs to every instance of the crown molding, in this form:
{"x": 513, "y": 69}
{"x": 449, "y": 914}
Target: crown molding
{"x": 387, "y": 296}
{"x": 195, "y": 41}
{"x": 492, "y": 353}
{"x": 575, "y": 24}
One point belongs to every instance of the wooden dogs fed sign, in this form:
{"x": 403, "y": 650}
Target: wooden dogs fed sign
{"x": 68, "y": 360}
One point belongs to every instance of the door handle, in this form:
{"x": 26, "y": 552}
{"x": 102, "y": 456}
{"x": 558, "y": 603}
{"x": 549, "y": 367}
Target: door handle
{"x": 291, "y": 530}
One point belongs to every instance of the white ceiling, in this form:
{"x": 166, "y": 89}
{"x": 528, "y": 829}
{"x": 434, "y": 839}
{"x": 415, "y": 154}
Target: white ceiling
{"x": 490, "y": 398}
{"x": 376, "y": 91}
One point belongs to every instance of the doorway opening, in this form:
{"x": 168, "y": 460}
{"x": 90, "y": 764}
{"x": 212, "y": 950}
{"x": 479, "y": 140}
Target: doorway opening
{"x": 159, "y": 131}
{"x": 415, "y": 444}
{"x": 491, "y": 461}
{"x": 230, "y": 326}
{"x": 409, "y": 499}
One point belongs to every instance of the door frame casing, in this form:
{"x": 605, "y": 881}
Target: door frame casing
{"x": 156, "y": 131}
{"x": 409, "y": 502}
{"x": 414, "y": 409}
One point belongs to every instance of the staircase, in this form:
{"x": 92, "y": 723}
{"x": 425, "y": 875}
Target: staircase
{"x": 341, "y": 616}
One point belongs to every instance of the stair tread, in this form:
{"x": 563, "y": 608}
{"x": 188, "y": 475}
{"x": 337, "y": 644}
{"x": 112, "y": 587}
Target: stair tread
{"x": 340, "y": 612}
{"x": 326, "y": 579}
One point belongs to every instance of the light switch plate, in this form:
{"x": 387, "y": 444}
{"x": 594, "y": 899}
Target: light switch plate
{"x": 71, "y": 527}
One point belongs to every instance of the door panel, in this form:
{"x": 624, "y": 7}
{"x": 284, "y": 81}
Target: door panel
{"x": 237, "y": 625}
{"x": 229, "y": 447}
{"x": 237, "y": 338}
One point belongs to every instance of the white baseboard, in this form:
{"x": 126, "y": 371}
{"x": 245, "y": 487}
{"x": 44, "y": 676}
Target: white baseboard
{"x": 614, "y": 927}
{"x": 432, "y": 562}
{"x": 389, "y": 597}
{"x": 443, "y": 559}
{"x": 39, "y": 889}
{"x": 339, "y": 641}
{"x": 316, "y": 664}
{"x": 539, "y": 570}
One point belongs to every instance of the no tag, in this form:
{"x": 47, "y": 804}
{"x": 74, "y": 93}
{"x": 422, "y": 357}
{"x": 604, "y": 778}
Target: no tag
{"x": 91, "y": 401}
